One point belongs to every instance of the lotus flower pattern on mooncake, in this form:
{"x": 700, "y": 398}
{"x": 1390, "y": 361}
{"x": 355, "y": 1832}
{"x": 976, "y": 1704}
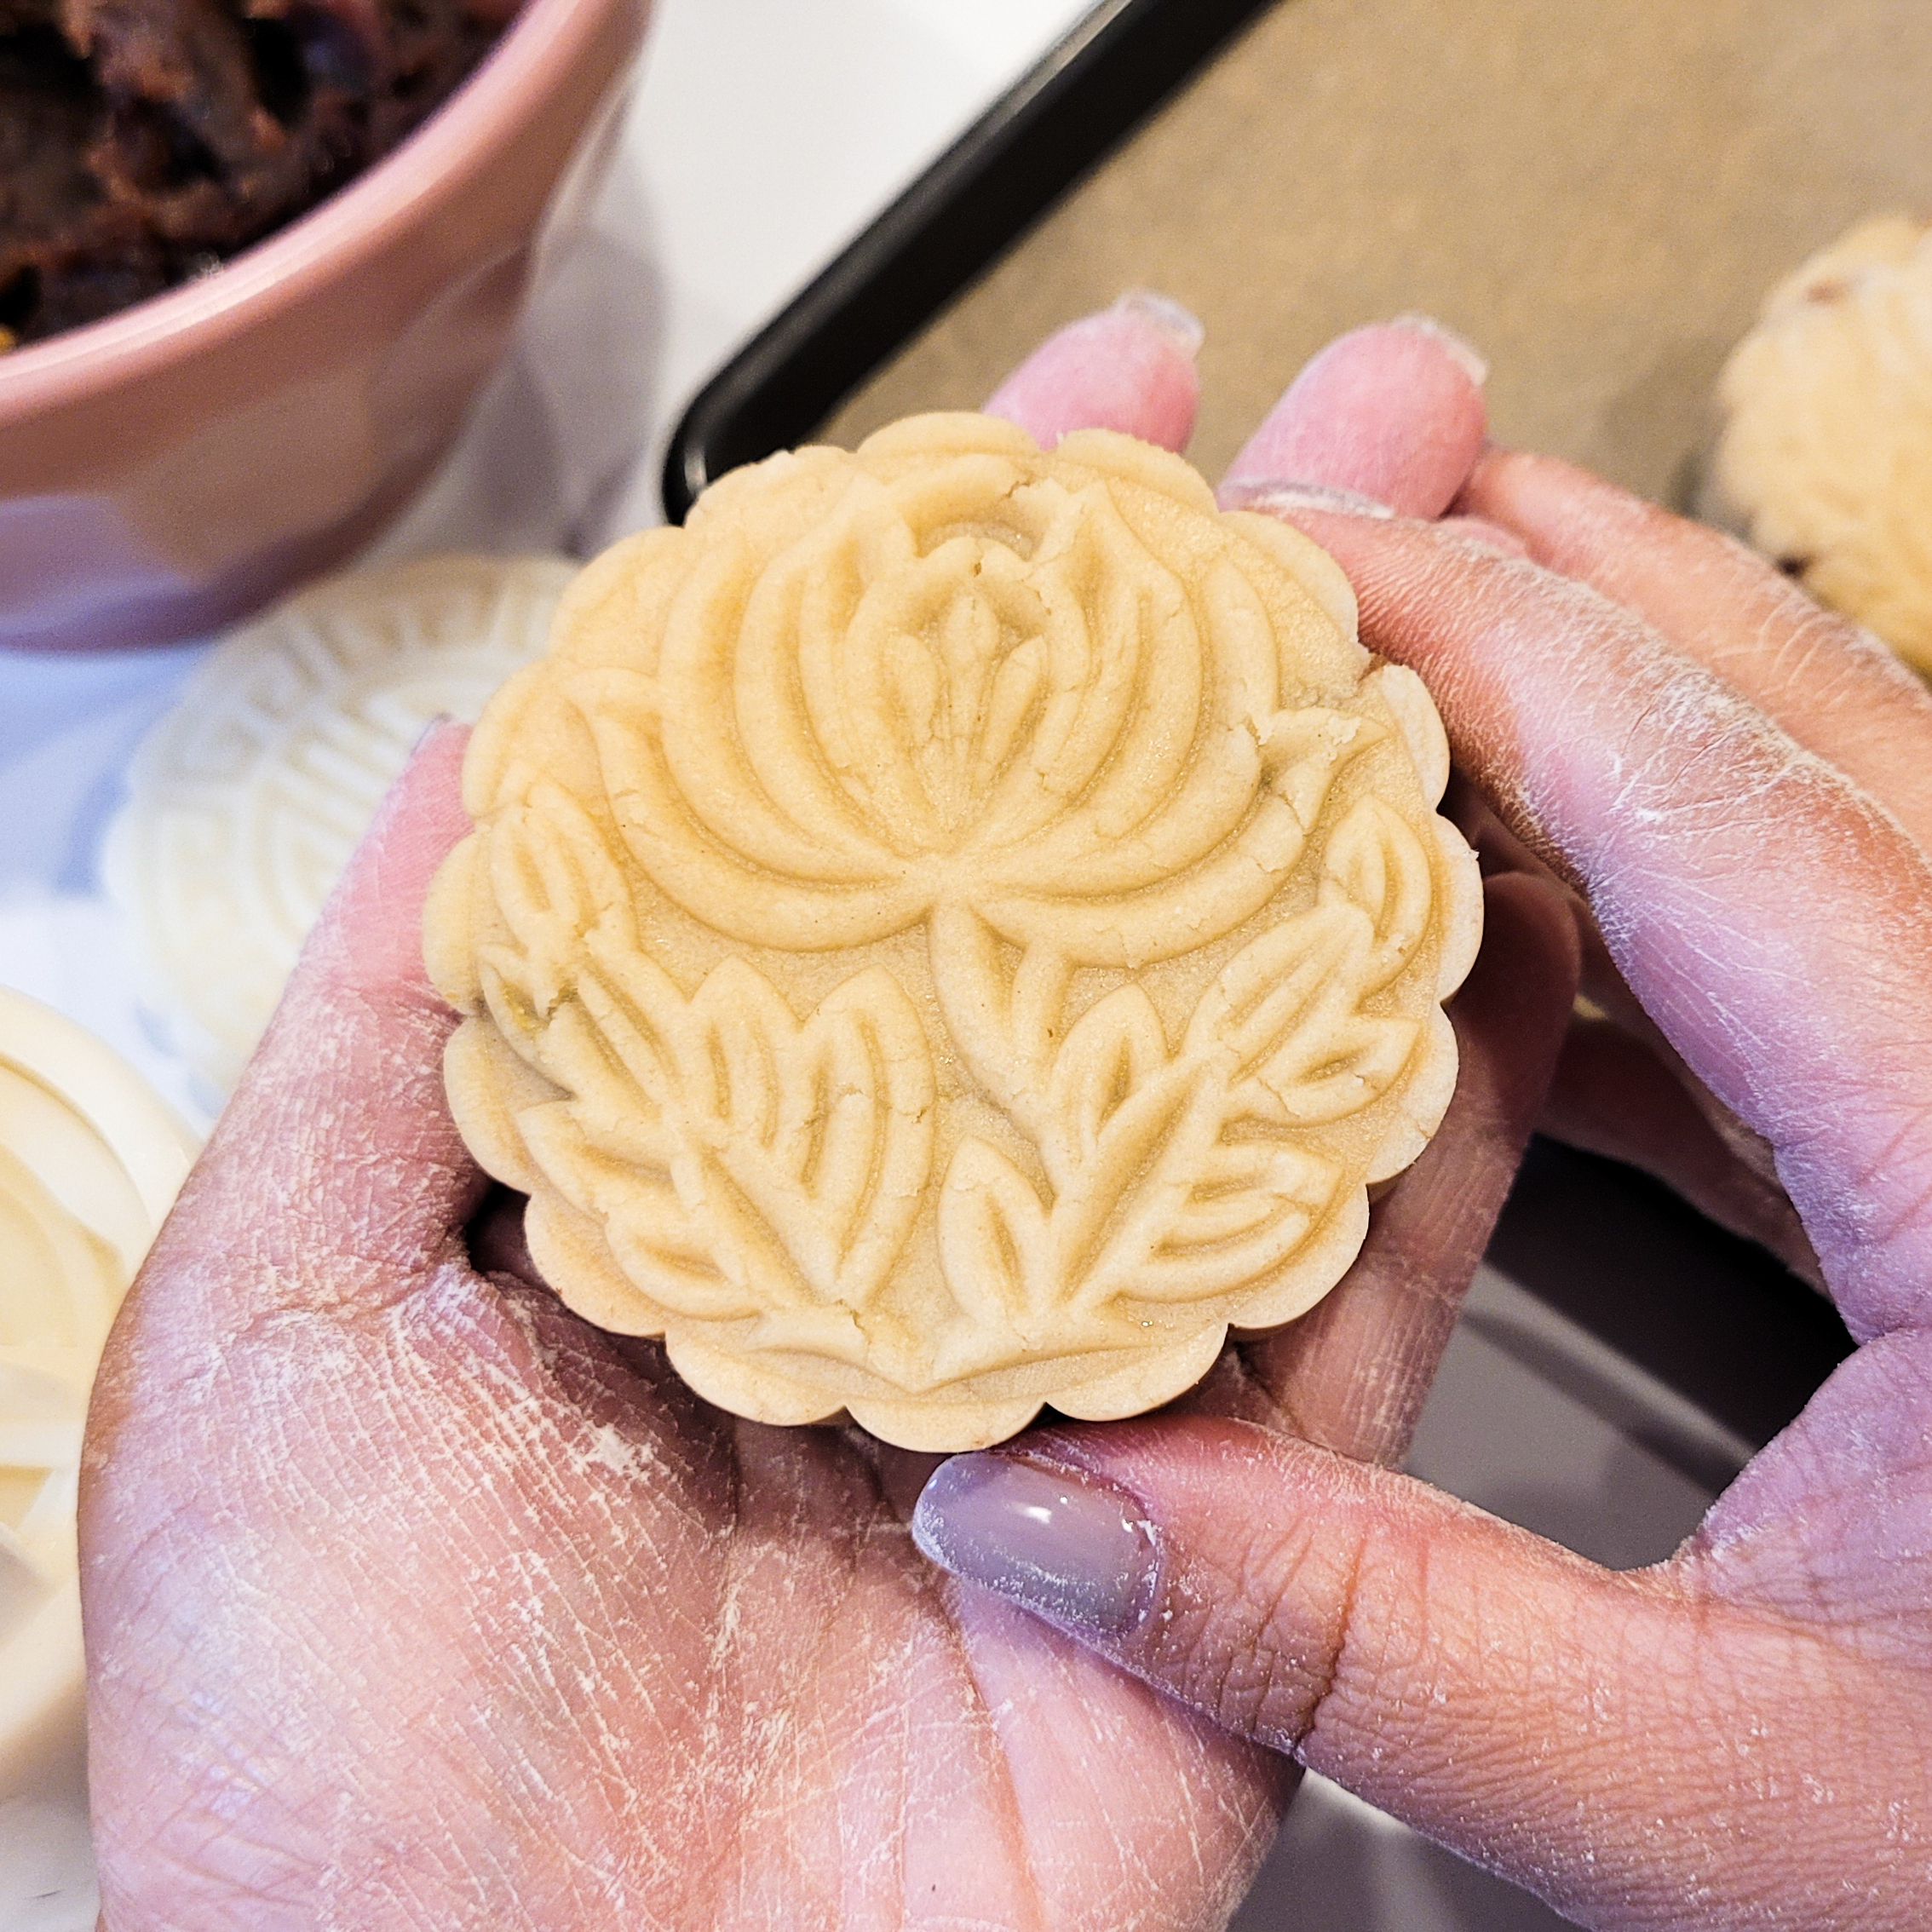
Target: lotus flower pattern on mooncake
{"x": 953, "y": 928}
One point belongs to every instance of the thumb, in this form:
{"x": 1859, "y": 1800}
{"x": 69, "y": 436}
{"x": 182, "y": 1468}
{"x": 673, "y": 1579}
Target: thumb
{"x": 1604, "y": 1739}
{"x": 336, "y": 1168}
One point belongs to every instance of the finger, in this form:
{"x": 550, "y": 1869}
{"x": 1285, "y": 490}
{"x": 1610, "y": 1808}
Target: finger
{"x": 1605, "y": 1740}
{"x": 1774, "y": 922}
{"x": 1621, "y": 1091}
{"x": 1393, "y": 412}
{"x": 1835, "y": 689}
{"x": 1612, "y": 1095}
{"x": 1288, "y": 500}
{"x": 1130, "y": 368}
{"x": 336, "y": 1168}
{"x": 1484, "y": 535}
{"x": 1352, "y": 1373}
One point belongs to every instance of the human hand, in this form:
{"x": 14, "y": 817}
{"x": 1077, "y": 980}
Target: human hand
{"x": 1620, "y": 1088}
{"x": 412, "y": 1601}
{"x": 1741, "y": 788}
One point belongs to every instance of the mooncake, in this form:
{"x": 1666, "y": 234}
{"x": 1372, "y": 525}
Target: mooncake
{"x": 953, "y": 928}
{"x": 1824, "y": 461}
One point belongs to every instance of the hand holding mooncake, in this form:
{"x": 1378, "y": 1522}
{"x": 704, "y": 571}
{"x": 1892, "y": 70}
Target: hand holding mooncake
{"x": 955, "y": 928}
{"x": 594, "y": 1650}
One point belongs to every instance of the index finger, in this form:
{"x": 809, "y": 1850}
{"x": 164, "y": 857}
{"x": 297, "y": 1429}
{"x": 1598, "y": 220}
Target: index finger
{"x": 1393, "y": 411}
{"x": 1834, "y": 687}
{"x": 1774, "y": 920}
{"x": 1130, "y": 368}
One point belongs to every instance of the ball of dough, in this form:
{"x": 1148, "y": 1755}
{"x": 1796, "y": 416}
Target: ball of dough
{"x": 1825, "y": 459}
{"x": 953, "y": 928}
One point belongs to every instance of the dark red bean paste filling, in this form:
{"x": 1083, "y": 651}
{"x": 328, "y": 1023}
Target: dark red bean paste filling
{"x": 143, "y": 142}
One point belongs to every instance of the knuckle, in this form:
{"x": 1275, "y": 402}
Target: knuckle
{"x": 1256, "y": 1640}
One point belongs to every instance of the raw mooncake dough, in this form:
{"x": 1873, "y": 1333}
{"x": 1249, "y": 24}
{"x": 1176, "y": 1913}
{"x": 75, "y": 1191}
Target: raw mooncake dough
{"x": 953, "y": 928}
{"x": 89, "y": 1163}
{"x": 1825, "y": 461}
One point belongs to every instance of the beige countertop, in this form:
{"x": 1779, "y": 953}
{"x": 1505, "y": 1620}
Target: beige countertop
{"x": 1598, "y": 195}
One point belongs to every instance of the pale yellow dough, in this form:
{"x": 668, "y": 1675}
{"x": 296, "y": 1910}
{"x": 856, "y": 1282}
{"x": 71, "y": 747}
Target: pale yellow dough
{"x": 953, "y": 928}
{"x": 89, "y": 1163}
{"x": 1825, "y": 460}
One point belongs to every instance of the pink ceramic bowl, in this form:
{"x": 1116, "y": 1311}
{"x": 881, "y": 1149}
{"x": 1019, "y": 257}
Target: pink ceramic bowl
{"x": 172, "y": 468}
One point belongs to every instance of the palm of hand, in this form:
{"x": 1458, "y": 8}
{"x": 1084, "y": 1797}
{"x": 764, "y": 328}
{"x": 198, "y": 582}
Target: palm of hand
{"x": 1735, "y": 1737}
{"x": 441, "y": 1607}
{"x": 412, "y": 1601}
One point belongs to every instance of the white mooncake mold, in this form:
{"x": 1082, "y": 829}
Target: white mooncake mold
{"x": 245, "y": 801}
{"x": 953, "y": 928}
{"x": 89, "y": 1163}
{"x": 1825, "y": 459}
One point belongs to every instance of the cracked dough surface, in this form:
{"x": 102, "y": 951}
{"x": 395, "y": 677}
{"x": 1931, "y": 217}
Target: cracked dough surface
{"x": 1825, "y": 461}
{"x": 953, "y": 928}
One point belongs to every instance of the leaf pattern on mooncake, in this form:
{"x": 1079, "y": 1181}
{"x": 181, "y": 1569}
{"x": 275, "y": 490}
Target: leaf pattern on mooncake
{"x": 955, "y": 928}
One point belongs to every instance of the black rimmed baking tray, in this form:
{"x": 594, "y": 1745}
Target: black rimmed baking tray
{"x": 1599, "y": 195}
{"x": 1118, "y": 62}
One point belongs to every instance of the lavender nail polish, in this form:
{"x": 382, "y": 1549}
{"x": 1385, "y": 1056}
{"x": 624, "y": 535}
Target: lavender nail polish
{"x": 1076, "y": 1551}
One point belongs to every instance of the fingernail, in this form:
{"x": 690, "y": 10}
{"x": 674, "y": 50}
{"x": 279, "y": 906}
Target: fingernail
{"x": 1281, "y": 498}
{"x": 1076, "y": 1551}
{"x": 1459, "y": 348}
{"x": 1181, "y": 326}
